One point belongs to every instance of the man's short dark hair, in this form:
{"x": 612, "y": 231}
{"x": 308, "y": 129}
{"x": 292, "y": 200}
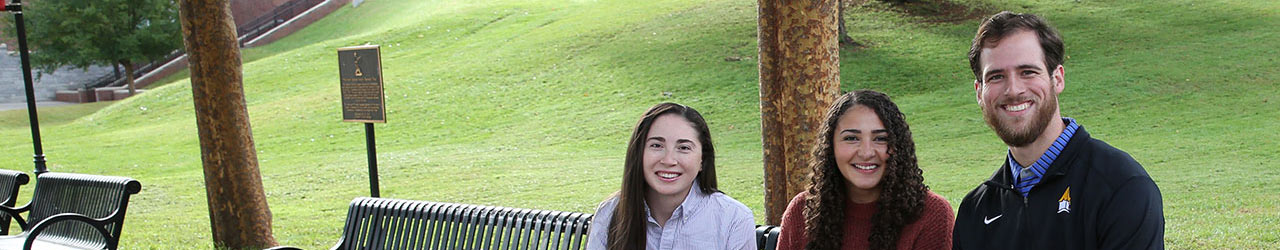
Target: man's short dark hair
{"x": 1006, "y": 23}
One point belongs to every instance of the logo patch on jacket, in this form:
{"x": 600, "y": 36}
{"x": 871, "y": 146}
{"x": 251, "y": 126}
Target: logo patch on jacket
{"x": 1064, "y": 203}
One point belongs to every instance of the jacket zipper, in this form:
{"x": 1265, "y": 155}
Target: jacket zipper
{"x": 1024, "y": 197}
{"x": 1009, "y": 188}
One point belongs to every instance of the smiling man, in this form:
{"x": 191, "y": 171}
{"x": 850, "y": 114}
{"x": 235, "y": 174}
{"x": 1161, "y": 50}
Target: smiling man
{"x": 1058, "y": 188}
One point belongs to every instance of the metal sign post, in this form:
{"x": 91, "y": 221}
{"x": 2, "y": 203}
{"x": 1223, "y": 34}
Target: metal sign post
{"x": 360, "y": 73}
{"x": 16, "y": 8}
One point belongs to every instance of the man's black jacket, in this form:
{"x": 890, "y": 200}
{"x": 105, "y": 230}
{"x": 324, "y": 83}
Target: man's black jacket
{"x": 1093, "y": 196}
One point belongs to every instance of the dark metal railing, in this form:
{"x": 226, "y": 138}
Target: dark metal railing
{"x": 283, "y": 13}
{"x": 140, "y": 69}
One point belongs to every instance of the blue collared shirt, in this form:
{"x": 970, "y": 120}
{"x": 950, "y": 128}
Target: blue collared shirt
{"x": 1042, "y": 164}
{"x": 702, "y": 222}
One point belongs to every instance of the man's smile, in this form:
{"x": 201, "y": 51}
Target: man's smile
{"x": 1018, "y": 107}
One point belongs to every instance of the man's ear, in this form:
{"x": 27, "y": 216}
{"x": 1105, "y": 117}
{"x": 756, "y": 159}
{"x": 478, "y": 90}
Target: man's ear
{"x": 1059, "y": 79}
{"x": 977, "y": 91}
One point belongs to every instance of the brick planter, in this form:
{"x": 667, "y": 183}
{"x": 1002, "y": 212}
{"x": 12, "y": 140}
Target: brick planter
{"x": 75, "y": 96}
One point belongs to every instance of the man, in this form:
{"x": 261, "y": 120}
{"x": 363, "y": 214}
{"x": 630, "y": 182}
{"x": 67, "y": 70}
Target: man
{"x": 1058, "y": 188}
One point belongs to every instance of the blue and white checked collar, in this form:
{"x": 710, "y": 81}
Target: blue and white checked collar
{"x": 1041, "y": 165}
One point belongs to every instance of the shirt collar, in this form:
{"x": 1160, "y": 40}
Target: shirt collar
{"x": 1050, "y": 154}
{"x": 691, "y": 204}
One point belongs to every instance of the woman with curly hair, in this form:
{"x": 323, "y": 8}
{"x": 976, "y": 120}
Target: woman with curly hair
{"x": 669, "y": 198}
{"x": 866, "y": 191}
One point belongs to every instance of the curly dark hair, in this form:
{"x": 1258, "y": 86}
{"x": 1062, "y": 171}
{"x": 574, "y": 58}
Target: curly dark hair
{"x": 902, "y": 191}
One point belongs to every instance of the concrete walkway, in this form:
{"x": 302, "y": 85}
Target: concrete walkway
{"x": 39, "y": 104}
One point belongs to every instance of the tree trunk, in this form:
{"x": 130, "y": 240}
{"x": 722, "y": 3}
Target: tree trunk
{"x": 128, "y": 76}
{"x": 238, "y": 212}
{"x": 845, "y": 39}
{"x": 799, "y": 78}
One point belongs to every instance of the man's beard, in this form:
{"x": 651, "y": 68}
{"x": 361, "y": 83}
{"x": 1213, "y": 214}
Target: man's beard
{"x": 1010, "y": 135}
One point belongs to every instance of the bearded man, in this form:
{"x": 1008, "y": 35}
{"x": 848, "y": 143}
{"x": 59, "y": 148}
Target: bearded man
{"x": 1058, "y": 188}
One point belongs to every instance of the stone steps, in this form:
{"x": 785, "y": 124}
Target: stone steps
{"x": 47, "y": 85}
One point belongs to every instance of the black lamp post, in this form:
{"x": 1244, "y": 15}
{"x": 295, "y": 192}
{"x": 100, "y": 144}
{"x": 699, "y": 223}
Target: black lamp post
{"x": 16, "y": 8}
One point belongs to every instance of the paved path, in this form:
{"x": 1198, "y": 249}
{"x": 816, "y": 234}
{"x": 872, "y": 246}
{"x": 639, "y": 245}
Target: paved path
{"x": 39, "y": 104}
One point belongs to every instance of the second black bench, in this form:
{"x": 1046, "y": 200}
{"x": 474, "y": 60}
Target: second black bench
{"x": 377, "y": 223}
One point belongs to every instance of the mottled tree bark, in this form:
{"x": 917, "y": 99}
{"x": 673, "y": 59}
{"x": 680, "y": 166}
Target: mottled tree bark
{"x": 238, "y": 212}
{"x": 799, "y": 78}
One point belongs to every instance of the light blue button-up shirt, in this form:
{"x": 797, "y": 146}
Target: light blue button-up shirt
{"x": 702, "y": 222}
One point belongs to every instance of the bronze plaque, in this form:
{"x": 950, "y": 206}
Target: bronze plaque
{"x": 360, "y": 70}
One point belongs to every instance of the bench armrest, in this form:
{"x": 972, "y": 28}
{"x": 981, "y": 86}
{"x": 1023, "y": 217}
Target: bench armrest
{"x": 100, "y": 225}
{"x": 339, "y": 245}
{"x": 16, "y": 214}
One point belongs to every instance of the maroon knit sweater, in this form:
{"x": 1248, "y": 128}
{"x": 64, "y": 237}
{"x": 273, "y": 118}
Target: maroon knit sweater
{"x": 931, "y": 231}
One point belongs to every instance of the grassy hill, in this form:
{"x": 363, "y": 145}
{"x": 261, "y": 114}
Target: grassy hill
{"x": 529, "y": 104}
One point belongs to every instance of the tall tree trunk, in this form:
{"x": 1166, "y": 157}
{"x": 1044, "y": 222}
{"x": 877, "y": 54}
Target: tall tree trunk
{"x": 799, "y": 78}
{"x": 128, "y": 76}
{"x": 238, "y": 212}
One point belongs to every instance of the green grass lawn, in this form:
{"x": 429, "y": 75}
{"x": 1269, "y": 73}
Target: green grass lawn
{"x": 49, "y": 116}
{"x": 529, "y": 104}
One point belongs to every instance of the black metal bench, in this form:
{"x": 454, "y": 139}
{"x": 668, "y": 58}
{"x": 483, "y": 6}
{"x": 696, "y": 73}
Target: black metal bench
{"x": 72, "y": 211}
{"x": 767, "y": 237}
{"x": 10, "y": 181}
{"x": 377, "y": 223}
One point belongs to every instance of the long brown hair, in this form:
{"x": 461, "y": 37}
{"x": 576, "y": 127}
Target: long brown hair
{"x": 902, "y": 191}
{"x": 627, "y": 226}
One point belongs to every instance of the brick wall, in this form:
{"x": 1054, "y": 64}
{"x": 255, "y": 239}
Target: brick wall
{"x": 247, "y": 10}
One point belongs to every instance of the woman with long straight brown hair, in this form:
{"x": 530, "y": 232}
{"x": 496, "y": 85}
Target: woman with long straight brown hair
{"x": 866, "y": 191}
{"x": 669, "y": 198}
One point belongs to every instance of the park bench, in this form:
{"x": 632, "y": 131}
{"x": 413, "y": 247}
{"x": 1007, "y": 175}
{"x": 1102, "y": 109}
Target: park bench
{"x": 767, "y": 237}
{"x": 10, "y": 181}
{"x": 377, "y": 223}
{"x": 72, "y": 211}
